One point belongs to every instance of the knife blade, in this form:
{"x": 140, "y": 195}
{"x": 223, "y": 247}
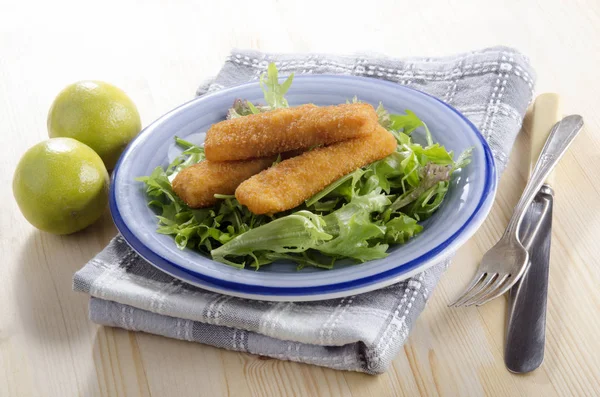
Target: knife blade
{"x": 526, "y": 325}
{"x": 526, "y": 330}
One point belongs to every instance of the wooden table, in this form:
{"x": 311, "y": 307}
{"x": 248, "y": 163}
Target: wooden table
{"x": 159, "y": 53}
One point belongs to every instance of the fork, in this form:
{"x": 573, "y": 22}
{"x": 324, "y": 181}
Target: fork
{"x": 504, "y": 264}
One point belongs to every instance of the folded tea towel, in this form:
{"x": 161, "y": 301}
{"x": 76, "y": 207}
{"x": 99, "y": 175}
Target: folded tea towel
{"x": 491, "y": 87}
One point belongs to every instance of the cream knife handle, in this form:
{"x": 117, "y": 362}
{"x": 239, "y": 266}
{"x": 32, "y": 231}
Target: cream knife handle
{"x": 546, "y": 113}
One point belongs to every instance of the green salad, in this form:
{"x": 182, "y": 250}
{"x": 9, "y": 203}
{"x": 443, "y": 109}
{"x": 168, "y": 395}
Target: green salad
{"x": 357, "y": 217}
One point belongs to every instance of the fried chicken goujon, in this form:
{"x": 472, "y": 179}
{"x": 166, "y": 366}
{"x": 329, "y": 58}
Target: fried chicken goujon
{"x": 282, "y": 130}
{"x": 197, "y": 185}
{"x": 289, "y": 183}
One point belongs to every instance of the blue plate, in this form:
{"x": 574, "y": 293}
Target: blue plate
{"x": 462, "y": 212}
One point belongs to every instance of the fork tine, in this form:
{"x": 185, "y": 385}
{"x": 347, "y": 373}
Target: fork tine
{"x": 489, "y": 278}
{"x": 499, "y": 291}
{"x": 493, "y": 288}
{"x": 482, "y": 292}
{"x": 478, "y": 277}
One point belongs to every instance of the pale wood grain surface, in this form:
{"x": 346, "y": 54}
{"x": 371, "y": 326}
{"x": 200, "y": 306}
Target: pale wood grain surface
{"x": 159, "y": 51}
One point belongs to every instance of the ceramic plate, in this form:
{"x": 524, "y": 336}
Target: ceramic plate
{"x": 466, "y": 205}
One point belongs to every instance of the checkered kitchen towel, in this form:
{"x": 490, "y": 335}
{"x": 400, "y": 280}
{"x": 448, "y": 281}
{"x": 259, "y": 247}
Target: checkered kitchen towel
{"x": 363, "y": 333}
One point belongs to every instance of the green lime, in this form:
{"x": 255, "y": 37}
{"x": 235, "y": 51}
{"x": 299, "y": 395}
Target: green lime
{"x": 98, "y": 114}
{"x": 61, "y": 185}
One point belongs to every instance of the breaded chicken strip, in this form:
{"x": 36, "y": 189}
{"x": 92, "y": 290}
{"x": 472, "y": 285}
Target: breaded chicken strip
{"x": 197, "y": 185}
{"x": 282, "y": 130}
{"x": 289, "y": 183}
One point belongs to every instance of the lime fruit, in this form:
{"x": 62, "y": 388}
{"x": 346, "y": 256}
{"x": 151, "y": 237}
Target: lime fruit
{"x": 61, "y": 185}
{"x": 98, "y": 114}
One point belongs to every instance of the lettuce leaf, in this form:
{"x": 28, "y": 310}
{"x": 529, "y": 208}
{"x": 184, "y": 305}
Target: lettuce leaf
{"x": 400, "y": 229}
{"x": 409, "y": 122}
{"x": 354, "y": 228}
{"x": 273, "y": 91}
{"x": 297, "y": 232}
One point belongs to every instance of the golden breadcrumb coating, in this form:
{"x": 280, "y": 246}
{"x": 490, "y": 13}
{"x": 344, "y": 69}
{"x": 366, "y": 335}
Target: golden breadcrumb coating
{"x": 282, "y": 130}
{"x": 289, "y": 183}
{"x": 197, "y": 185}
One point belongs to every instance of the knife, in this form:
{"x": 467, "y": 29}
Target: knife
{"x": 526, "y": 325}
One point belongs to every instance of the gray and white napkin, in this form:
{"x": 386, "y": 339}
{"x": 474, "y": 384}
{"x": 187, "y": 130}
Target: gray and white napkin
{"x": 492, "y": 87}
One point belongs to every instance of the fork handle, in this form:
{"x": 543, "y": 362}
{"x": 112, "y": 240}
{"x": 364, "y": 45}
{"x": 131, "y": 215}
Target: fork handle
{"x": 560, "y": 138}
